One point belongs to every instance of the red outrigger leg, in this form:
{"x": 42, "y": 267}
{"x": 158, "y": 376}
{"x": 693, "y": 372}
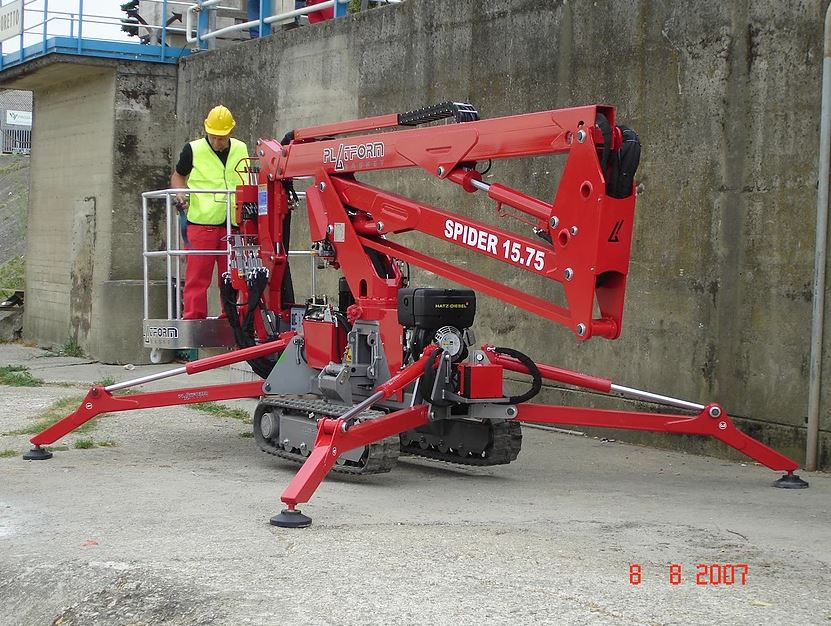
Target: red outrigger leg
{"x": 336, "y": 436}
{"x": 100, "y": 400}
{"x": 711, "y": 419}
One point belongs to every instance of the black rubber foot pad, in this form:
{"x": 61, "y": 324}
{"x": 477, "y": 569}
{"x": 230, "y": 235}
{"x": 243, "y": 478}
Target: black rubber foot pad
{"x": 291, "y": 519}
{"x": 37, "y": 454}
{"x": 791, "y": 481}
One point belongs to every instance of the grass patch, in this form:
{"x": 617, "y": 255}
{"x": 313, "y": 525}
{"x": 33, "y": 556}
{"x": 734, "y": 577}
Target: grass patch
{"x": 220, "y": 410}
{"x": 246, "y": 434}
{"x": 11, "y": 275}
{"x": 57, "y": 411}
{"x": 71, "y": 347}
{"x": 105, "y": 382}
{"x": 86, "y": 444}
{"x": 5, "y": 454}
{"x": 18, "y": 376}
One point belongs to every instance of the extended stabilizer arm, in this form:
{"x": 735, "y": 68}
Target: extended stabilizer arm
{"x": 711, "y": 419}
{"x": 100, "y": 400}
{"x": 336, "y": 436}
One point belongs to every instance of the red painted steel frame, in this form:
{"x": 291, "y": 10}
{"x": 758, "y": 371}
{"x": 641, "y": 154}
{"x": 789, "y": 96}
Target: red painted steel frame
{"x": 332, "y": 441}
{"x": 711, "y": 420}
{"x": 335, "y": 436}
{"x": 590, "y": 237}
{"x": 720, "y": 427}
{"x": 98, "y": 400}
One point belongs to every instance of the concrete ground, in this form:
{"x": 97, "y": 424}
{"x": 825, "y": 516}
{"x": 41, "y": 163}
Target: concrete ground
{"x": 171, "y": 526}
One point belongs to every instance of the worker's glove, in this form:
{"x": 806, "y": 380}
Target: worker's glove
{"x": 181, "y": 209}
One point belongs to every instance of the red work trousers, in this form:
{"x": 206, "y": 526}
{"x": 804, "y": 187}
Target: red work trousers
{"x": 200, "y": 268}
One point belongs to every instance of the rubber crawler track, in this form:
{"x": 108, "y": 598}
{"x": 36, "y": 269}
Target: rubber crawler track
{"x": 380, "y": 457}
{"x": 505, "y": 444}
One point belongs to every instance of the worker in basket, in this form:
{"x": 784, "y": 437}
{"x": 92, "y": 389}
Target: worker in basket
{"x": 206, "y": 163}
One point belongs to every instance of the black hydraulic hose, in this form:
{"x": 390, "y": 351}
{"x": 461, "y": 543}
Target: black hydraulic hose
{"x": 425, "y": 386}
{"x": 533, "y": 370}
{"x": 244, "y": 332}
{"x": 428, "y": 379}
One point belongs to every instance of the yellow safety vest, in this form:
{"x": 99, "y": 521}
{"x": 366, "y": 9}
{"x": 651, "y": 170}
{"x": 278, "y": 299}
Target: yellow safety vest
{"x": 209, "y": 173}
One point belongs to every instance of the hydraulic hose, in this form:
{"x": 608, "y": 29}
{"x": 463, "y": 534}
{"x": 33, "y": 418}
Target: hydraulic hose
{"x": 533, "y": 370}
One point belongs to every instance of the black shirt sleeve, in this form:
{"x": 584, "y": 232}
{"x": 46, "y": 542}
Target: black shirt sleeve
{"x": 185, "y": 164}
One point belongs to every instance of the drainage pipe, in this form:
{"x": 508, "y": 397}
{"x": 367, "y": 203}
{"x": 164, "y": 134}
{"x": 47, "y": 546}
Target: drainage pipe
{"x": 820, "y": 254}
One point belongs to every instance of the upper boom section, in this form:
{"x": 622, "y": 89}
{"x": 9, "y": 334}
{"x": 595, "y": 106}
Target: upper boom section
{"x": 438, "y": 150}
{"x": 581, "y": 239}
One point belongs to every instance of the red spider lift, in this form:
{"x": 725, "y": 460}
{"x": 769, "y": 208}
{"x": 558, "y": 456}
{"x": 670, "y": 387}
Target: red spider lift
{"x": 393, "y": 368}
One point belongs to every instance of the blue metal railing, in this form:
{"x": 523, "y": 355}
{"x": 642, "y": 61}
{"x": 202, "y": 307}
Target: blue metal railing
{"x": 259, "y": 21}
{"x": 61, "y": 32}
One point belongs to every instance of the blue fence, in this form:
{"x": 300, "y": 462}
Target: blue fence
{"x": 82, "y": 33}
{"x": 79, "y": 32}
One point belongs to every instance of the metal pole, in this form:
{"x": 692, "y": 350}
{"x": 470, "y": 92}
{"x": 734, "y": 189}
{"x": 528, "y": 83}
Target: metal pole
{"x": 168, "y": 239}
{"x": 203, "y": 24}
{"x": 227, "y": 237}
{"x": 80, "y": 23}
{"x": 164, "y": 35}
{"x": 178, "y": 273}
{"x": 313, "y": 280}
{"x": 146, "y": 379}
{"x": 45, "y": 19}
{"x": 820, "y": 254}
{"x": 144, "y": 257}
{"x": 262, "y": 17}
{"x": 656, "y": 397}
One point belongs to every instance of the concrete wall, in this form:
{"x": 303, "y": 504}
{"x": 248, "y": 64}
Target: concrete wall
{"x": 725, "y": 97}
{"x": 71, "y": 189}
{"x": 102, "y": 138}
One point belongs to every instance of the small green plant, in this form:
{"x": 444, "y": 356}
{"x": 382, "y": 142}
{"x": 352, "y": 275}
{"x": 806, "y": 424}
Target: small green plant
{"x": 107, "y": 443}
{"x": 105, "y": 382}
{"x": 220, "y": 410}
{"x": 72, "y": 348}
{"x": 5, "y": 454}
{"x": 246, "y": 434}
{"x": 18, "y": 376}
{"x": 83, "y": 444}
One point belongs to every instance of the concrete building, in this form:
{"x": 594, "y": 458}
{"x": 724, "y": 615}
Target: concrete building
{"x": 15, "y": 121}
{"x": 100, "y": 140}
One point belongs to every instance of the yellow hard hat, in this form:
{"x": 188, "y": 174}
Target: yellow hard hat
{"x": 219, "y": 121}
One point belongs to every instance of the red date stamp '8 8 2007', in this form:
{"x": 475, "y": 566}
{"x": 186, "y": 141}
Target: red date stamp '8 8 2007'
{"x": 706, "y": 574}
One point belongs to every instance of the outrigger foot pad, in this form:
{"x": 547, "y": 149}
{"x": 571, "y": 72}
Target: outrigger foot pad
{"x": 791, "y": 481}
{"x": 37, "y": 454}
{"x": 291, "y": 518}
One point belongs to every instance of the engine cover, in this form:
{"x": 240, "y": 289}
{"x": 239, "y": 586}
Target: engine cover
{"x": 428, "y": 308}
